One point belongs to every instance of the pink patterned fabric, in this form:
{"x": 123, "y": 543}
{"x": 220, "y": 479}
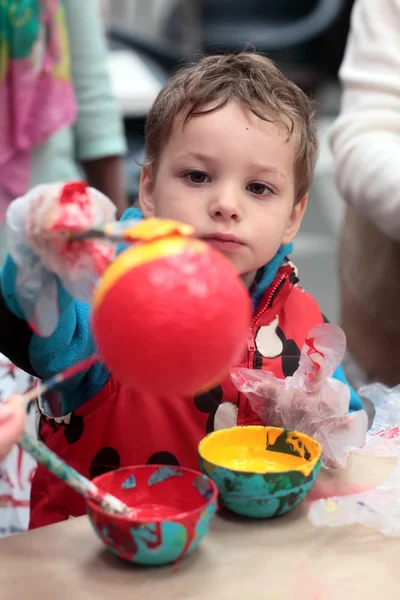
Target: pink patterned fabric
{"x": 36, "y": 93}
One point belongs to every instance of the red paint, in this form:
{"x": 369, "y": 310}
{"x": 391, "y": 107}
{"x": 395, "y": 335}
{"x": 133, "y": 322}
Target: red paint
{"x": 312, "y": 349}
{"x": 149, "y": 511}
{"x": 165, "y": 313}
{"x": 74, "y": 213}
{"x": 325, "y": 490}
{"x": 174, "y": 499}
{"x": 91, "y": 255}
{"x": 158, "y": 535}
{"x": 75, "y": 210}
{"x": 190, "y": 536}
{"x": 75, "y": 192}
{"x": 117, "y": 538}
{"x": 33, "y": 327}
{"x": 387, "y": 434}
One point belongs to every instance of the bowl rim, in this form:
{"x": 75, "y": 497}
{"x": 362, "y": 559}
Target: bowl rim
{"x": 312, "y": 463}
{"x": 146, "y": 520}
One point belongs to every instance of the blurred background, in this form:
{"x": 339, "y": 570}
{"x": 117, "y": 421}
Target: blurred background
{"x": 149, "y": 38}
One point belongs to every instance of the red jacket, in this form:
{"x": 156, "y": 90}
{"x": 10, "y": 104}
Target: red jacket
{"x": 119, "y": 427}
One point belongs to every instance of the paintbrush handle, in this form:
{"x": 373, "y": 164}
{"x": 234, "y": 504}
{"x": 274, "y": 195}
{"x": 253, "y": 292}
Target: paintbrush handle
{"x": 72, "y": 478}
{"x": 97, "y": 234}
{"x": 44, "y": 386}
{"x": 34, "y": 393}
{"x": 134, "y": 230}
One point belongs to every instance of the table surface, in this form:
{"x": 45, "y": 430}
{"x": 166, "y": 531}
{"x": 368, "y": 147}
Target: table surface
{"x": 286, "y": 558}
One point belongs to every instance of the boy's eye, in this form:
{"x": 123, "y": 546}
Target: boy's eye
{"x": 259, "y": 189}
{"x": 197, "y": 177}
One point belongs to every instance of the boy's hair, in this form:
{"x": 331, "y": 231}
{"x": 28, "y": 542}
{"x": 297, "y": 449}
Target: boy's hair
{"x": 252, "y": 80}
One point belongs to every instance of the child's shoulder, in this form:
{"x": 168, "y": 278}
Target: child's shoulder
{"x": 294, "y": 311}
{"x": 303, "y": 302}
{"x": 303, "y": 307}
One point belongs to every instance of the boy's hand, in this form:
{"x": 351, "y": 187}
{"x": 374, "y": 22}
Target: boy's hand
{"x": 56, "y": 211}
{"x": 310, "y": 401}
{"x": 321, "y": 414}
{"x": 12, "y": 422}
{"x": 38, "y": 228}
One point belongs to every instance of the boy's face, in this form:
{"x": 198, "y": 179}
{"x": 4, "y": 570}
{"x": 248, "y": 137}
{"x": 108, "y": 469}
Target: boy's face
{"x": 231, "y": 176}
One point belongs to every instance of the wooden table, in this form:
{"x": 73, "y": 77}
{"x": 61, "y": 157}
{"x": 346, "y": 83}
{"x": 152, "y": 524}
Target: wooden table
{"x": 282, "y": 559}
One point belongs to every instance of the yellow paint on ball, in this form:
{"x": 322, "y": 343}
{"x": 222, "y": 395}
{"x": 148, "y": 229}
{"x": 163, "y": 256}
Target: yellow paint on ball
{"x": 246, "y": 449}
{"x": 141, "y": 254}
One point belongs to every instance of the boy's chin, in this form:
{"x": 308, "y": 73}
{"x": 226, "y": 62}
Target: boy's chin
{"x": 248, "y": 278}
{"x": 246, "y": 275}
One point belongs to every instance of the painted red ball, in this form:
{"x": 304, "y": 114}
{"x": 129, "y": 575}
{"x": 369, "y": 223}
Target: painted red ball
{"x": 171, "y": 316}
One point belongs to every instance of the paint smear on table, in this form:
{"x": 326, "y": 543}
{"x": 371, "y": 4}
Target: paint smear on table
{"x": 329, "y": 489}
{"x": 307, "y": 586}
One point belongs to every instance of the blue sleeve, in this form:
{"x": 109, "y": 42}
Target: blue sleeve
{"x": 71, "y": 342}
{"x": 355, "y": 402}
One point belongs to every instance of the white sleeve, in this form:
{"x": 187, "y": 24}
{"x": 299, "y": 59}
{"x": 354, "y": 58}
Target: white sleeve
{"x": 98, "y": 128}
{"x": 365, "y": 139}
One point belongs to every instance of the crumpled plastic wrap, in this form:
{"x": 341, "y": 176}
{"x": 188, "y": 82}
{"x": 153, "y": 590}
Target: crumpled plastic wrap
{"x": 378, "y": 508}
{"x": 311, "y": 401}
{"x": 38, "y": 225}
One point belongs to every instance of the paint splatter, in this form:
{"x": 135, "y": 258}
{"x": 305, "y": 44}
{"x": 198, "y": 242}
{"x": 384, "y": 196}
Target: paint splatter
{"x": 325, "y": 490}
{"x": 312, "y": 352}
{"x": 307, "y": 586}
{"x": 129, "y": 483}
{"x": 202, "y": 485}
{"x": 164, "y": 473}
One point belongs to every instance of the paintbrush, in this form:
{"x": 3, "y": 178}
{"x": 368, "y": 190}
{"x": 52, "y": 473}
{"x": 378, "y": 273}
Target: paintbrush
{"x": 72, "y": 478}
{"x": 44, "y": 386}
{"x": 133, "y": 230}
{"x": 100, "y": 234}
{"x": 56, "y": 465}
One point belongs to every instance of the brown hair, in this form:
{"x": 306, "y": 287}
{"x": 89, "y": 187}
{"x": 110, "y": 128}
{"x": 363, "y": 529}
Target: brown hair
{"x": 253, "y": 80}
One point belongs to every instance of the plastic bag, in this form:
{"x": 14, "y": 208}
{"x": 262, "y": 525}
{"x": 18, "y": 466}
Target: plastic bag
{"x": 37, "y": 226}
{"x": 378, "y": 508}
{"x": 311, "y": 401}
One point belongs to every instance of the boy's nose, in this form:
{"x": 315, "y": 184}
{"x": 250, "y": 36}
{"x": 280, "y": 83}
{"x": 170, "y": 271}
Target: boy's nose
{"x": 225, "y": 207}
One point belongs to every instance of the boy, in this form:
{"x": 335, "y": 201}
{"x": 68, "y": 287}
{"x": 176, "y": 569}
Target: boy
{"x": 230, "y": 149}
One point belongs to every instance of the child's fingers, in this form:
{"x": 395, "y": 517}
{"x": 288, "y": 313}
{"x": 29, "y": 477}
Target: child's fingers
{"x": 12, "y": 422}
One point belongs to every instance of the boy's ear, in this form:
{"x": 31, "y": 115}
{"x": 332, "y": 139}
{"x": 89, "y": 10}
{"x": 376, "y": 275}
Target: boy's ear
{"x": 295, "y": 220}
{"x": 146, "y": 193}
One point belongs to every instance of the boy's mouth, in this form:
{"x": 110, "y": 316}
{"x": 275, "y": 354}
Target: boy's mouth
{"x": 224, "y": 242}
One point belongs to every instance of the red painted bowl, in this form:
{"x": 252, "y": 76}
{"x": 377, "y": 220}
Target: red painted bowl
{"x": 173, "y": 508}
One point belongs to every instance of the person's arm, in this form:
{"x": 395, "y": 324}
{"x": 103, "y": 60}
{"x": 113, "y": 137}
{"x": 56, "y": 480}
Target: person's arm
{"x": 365, "y": 138}
{"x": 12, "y": 423}
{"x": 100, "y": 141}
{"x": 355, "y": 402}
{"x": 106, "y": 175}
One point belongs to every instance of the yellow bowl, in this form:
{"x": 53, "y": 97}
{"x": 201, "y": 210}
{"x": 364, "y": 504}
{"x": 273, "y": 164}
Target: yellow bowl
{"x": 260, "y": 471}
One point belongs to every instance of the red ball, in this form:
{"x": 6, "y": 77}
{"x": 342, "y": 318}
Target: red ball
{"x": 171, "y": 316}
